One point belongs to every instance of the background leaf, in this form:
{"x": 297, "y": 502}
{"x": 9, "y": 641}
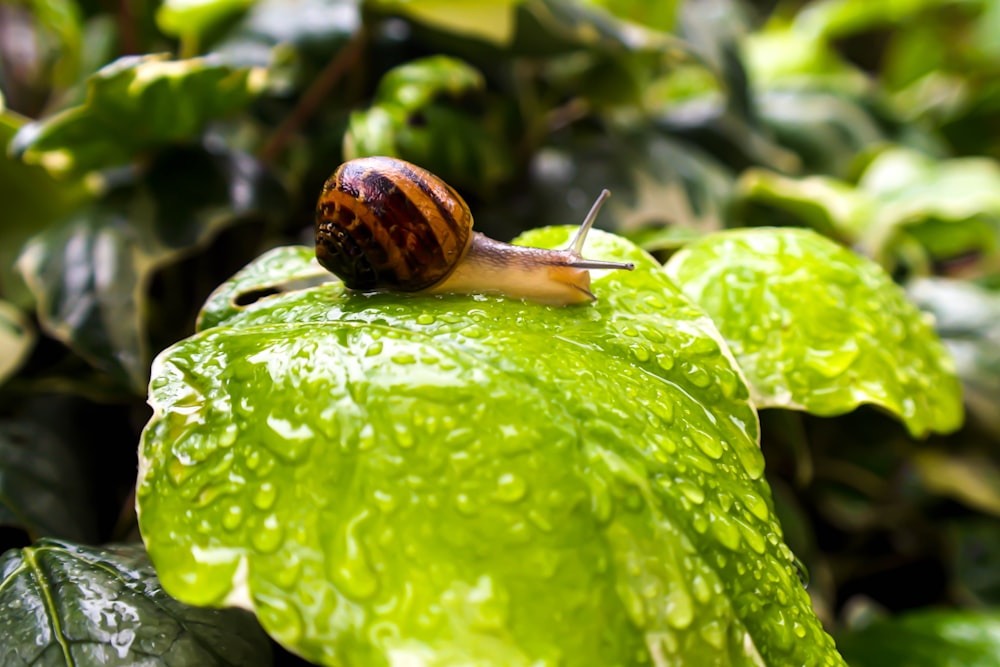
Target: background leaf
{"x": 930, "y": 638}
{"x": 133, "y": 105}
{"x": 63, "y": 604}
{"x": 817, "y": 328}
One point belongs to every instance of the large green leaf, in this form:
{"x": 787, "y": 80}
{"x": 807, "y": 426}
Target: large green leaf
{"x": 819, "y": 328}
{"x": 937, "y": 638}
{"x": 133, "y": 105}
{"x": 471, "y": 480}
{"x": 64, "y": 605}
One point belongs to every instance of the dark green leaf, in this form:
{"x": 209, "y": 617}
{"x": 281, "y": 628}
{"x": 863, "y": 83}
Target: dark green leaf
{"x": 927, "y": 639}
{"x": 41, "y": 488}
{"x": 68, "y": 605}
{"x": 818, "y": 328}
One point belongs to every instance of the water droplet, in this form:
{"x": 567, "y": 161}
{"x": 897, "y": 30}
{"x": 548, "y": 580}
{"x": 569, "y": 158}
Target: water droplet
{"x": 697, "y": 375}
{"x": 510, "y": 488}
{"x": 702, "y": 591}
{"x": 288, "y": 441}
{"x": 265, "y": 496}
{"x": 233, "y": 517}
{"x": 474, "y": 331}
{"x": 540, "y": 521}
{"x": 712, "y": 446}
{"x": 425, "y": 318}
{"x": 725, "y": 531}
{"x": 756, "y": 505}
{"x": 751, "y": 459}
{"x": 352, "y": 573}
{"x": 679, "y": 608}
{"x": 465, "y": 504}
{"x": 714, "y": 633}
{"x": 374, "y": 349}
{"x": 691, "y": 491}
{"x": 640, "y": 353}
{"x": 268, "y": 536}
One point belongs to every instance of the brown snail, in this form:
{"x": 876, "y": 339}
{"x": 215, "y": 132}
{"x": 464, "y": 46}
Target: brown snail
{"x": 385, "y": 224}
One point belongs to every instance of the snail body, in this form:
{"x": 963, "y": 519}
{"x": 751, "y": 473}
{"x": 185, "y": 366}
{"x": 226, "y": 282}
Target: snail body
{"x": 385, "y": 224}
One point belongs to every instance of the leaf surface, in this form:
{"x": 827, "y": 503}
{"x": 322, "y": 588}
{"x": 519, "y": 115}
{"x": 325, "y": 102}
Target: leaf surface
{"x": 936, "y": 638}
{"x": 455, "y": 480}
{"x": 818, "y": 328}
{"x": 67, "y": 605}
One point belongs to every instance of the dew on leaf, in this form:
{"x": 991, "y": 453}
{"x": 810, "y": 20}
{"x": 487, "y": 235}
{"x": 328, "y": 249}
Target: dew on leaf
{"x": 510, "y": 488}
{"x": 232, "y": 518}
{"x": 268, "y": 535}
{"x": 350, "y": 569}
{"x": 265, "y": 496}
{"x": 678, "y": 608}
{"x": 725, "y": 531}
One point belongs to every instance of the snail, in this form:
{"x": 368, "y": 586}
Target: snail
{"x": 385, "y": 224}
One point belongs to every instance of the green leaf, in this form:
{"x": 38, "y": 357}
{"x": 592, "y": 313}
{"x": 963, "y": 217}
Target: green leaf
{"x": 32, "y": 200}
{"x": 17, "y": 337}
{"x": 134, "y": 105}
{"x": 63, "y": 604}
{"x": 818, "y": 328}
{"x": 830, "y": 206}
{"x": 655, "y": 15}
{"x": 461, "y": 480}
{"x": 90, "y": 275}
{"x": 192, "y": 19}
{"x": 414, "y": 85}
{"x": 967, "y": 318}
{"x": 42, "y": 490}
{"x": 487, "y": 20}
{"x": 419, "y": 116}
{"x": 937, "y": 638}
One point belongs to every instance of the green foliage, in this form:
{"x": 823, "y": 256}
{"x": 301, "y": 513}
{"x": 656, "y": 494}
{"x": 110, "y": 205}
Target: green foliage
{"x": 403, "y": 479}
{"x": 928, "y": 639}
{"x": 62, "y": 604}
{"x": 354, "y": 450}
{"x": 817, "y": 328}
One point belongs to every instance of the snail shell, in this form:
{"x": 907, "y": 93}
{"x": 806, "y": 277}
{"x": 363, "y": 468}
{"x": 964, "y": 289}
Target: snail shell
{"x": 385, "y": 224}
{"x": 382, "y": 223}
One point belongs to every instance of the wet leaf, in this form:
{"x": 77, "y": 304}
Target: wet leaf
{"x": 938, "y": 638}
{"x": 456, "y": 480}
{"x": 64, "y": 604}
{"x": 818, "y": 328}
{"x": 42, "y": 490}
{"x": 133, "y": 105}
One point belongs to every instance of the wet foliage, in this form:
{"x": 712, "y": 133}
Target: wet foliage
{"x": 779, "y": 432}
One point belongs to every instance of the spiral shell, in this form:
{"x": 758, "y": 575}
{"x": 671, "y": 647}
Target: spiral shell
{"x": 383, "y": 223}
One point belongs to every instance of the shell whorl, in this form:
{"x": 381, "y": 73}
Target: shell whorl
{"x": 383, "y": 223}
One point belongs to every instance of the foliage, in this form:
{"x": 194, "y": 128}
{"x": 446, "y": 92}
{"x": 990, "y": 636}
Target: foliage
{"x": 397, "y": 479}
